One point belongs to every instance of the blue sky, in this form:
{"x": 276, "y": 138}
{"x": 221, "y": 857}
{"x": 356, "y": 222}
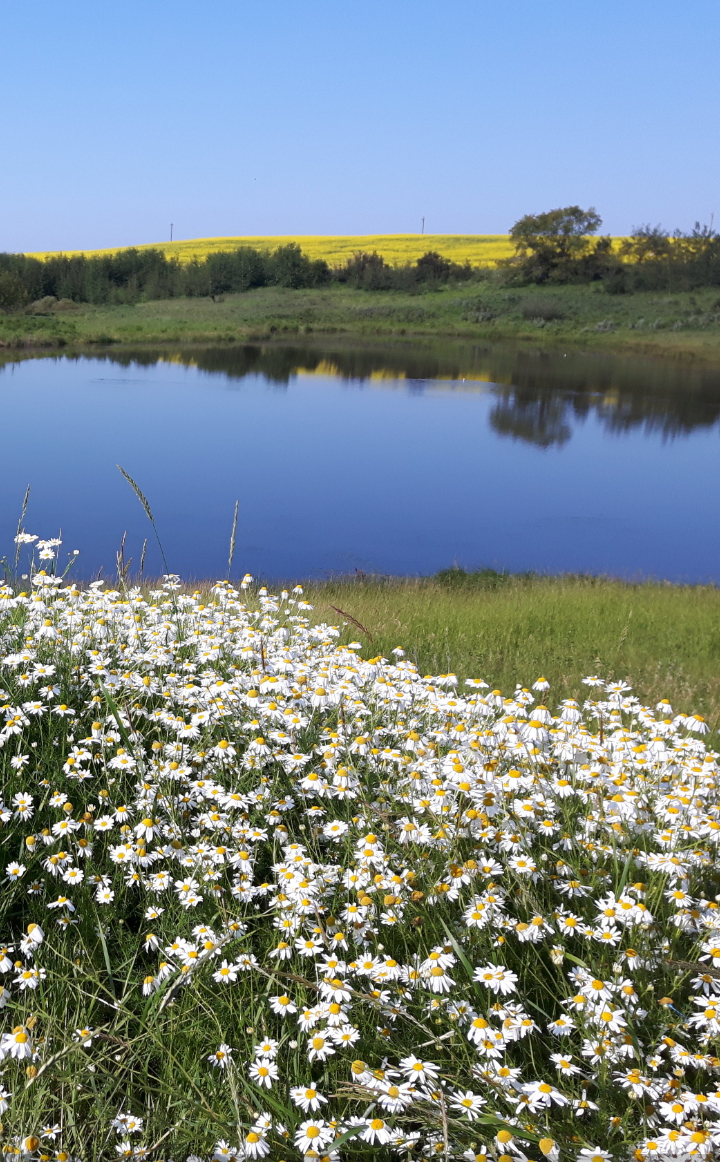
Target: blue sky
{"x": 284, "y": 117}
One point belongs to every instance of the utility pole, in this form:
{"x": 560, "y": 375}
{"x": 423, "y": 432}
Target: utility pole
{"x": 423, "y": 226}
{"x": 171, "y": 230}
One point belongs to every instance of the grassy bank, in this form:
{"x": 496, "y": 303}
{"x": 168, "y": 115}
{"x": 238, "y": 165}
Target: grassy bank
{"x": 684, "y": 326}
{"x": 508, "y": 629}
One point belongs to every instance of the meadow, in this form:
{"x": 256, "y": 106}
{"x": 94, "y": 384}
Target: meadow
{"x": 684, "y": 325}
{"x": 271, "y": 891}
{"x": 500, "y": 625}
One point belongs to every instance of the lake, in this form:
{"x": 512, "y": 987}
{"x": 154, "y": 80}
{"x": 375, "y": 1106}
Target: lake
{"x": 404, "y": 458}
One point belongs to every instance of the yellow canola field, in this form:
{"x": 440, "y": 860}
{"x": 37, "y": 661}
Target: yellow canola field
{"x": 477, "y": 249}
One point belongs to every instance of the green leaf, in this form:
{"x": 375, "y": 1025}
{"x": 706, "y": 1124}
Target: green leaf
{"x": 460, "y": 951}
{"x": 116, "y": 715}
{"x": 623, "y": 878}
{"x": 106, "y": 957}
{"x": 351, "y": 1133}
{"x": 576, "y": 960}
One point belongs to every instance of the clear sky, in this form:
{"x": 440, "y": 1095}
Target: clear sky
{"x": 319, "y": 117}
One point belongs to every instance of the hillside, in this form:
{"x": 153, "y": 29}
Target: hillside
{"x": 478, "y": 249}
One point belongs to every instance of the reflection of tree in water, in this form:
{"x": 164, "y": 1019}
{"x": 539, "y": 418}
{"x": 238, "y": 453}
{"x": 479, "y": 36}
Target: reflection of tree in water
{"x": 547, "y": 417}
{"x": 541, "y": 396}
{"x": 280, "y": 362}
{"x": 547, "y": 395}
{"x": 539, "y": 420}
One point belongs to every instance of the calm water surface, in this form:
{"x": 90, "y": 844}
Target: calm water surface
{"x": 397, "y": 460}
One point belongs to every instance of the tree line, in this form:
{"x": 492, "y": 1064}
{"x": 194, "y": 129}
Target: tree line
{"x": 132, "y": 275}
{"x": 554, "y": 248}
{"x": 561, "y": 247}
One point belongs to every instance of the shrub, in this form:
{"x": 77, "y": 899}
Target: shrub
{"x": 545, "y": 309}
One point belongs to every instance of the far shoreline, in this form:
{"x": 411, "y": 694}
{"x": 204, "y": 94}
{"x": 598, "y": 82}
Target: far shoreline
{"x": 683, "y": 328}
{"x": 684, "y": 354}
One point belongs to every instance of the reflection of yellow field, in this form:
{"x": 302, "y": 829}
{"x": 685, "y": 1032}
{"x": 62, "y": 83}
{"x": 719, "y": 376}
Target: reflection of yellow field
{"x": 326, "y": 368}
{"x": 478, "y": 249}
{"x": 390, "y": 377}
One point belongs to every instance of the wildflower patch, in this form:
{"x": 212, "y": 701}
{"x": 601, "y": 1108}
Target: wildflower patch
{"x": 265, "y": 897}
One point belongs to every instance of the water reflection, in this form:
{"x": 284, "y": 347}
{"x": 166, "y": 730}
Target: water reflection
{"x": 539, "y": 417}
{"x": 541, "y": 396}
{"x": 400, "y": 458}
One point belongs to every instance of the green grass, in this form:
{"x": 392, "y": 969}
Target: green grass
{"x": 510, "y": 629}
{"x": 684, "y": 325}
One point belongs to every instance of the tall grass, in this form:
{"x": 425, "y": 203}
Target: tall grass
{"x": 509, "y": 629}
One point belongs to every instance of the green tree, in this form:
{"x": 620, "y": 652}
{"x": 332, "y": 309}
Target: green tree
{"x": 647, "y": 244}
{"x": 288, "y": 266}
{"x": 432, "y": 267}
{"x": 550, "y": 247}
{"x": 366, "y": 271}
{"x": 13, "y": 293}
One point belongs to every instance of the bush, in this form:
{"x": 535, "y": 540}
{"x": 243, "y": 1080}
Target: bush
{"x": 544, "y": 309}
{"x": 43, "y": 306}
{"x": 655, "y": 260}
{"x": 371, "y": 272}
{"x": 289, "y": 267}
{"x": 366, "y": 272}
